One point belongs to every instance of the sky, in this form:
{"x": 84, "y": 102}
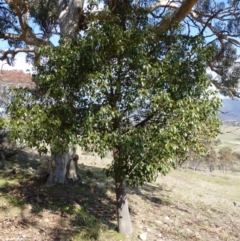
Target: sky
{"x": 19, "y": 64}
{"x": 20, "y": 60}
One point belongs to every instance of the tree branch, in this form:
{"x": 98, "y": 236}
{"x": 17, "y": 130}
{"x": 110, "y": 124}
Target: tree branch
{"x": 166, "y": 3}
{"x": 69, "y": 16}
{"x": 9, "y": 54}
{"x": 180, "y": 13}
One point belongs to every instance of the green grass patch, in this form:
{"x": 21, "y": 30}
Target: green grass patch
{"x": 90, "y": 228}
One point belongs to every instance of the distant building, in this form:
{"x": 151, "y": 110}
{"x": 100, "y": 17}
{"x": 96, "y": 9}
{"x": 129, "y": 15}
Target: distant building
{"x": 12, "y": 78}
{"x": 15, "y": 78}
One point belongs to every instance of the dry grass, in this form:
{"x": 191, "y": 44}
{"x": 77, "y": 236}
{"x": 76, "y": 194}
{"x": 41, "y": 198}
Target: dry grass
{"x": 189, "y": 206}
{"x": 182, "y": 206}
{"x": 230, "y": 137}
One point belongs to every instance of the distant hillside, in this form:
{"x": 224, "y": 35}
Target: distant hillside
{"x": 230, "y": 111}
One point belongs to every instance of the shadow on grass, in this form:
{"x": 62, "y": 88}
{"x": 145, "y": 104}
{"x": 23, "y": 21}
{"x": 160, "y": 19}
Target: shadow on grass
{"x": 154, "y": 194}
{"x": 19, "y": 160}
{"x": 89, "y": 207}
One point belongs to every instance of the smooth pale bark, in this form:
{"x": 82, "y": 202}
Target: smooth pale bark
{"x": 58, "y": 168}
{"x": 63, "y": 168}
{"x": 72, "y": 169}
{"x": 70, "y": 17}
{"x": 178, "y": 15}
{"x": 123, "y": 215}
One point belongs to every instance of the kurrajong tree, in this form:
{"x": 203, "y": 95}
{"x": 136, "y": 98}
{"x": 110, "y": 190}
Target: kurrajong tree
{"x": 127, "y": 89}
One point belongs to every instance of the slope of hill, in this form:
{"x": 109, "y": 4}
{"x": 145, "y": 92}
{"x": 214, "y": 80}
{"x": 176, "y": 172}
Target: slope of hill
{"x": 181, "y": 206}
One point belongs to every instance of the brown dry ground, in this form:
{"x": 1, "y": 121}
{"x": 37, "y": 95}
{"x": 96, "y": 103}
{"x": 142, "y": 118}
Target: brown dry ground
{"x": 182, "y": 206}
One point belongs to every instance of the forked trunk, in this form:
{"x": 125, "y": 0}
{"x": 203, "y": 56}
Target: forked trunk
{"x": 63, "y": 169}
{"x": 123, "y": 215}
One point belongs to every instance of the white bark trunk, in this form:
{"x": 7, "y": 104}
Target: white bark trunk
{"x": 63, "y": 168}
{"x": 72, "y": 169}
{"x": 123, "y": 215}
{"x": 177, "y": 16}
{"x": 58, "y": 168}
{"x": 69, "y": 16}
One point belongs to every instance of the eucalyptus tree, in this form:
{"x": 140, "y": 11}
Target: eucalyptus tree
{"x": 142, "y": 95}
{"x": 29, "y": 24}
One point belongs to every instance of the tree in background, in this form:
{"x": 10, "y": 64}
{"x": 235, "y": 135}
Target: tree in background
{"x": 193, "y": 161}
{"x": 211, "y": 159}
{"x": 226, "y": 158}
{"x": 143, "y": 96}
{"x": 9, "y": 79}
{"x": 237, "y": 155}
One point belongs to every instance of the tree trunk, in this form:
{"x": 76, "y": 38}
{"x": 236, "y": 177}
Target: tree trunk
{"x": 3, "y": 159}
{"x": 123, "y": 215}
{"x": 70, "y": 17}
{"x": 63, "y": 168}
{"x": 211, "y": 168}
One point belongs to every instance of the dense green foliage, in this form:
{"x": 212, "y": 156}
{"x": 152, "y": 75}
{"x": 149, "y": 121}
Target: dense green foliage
{"x": 27, "y": 25}
{"x": 142, "y": 96}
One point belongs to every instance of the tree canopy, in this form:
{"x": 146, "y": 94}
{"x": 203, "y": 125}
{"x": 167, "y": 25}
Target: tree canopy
{"x": 122, "y": 89}
{"x": 26, "y": 25}
{"x": 144, "y": 96}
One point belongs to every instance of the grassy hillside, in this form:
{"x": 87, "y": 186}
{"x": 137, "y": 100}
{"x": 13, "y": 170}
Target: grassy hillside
{"x": 181, "y": 206}
{"x": 230, "y": 137}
